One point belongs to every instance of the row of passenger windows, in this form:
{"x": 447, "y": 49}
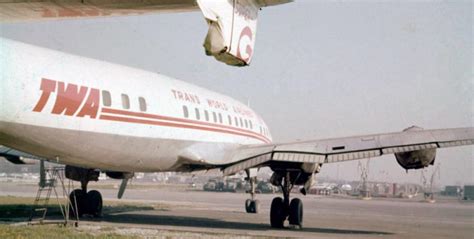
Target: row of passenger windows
{"x": 217, "y": 118}
{"x": 107, "y": 99}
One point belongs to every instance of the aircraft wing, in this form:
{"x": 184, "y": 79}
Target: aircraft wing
{"x": 17, "y": 157}
{"x": 232, "y": 23}
{"x": 412, "y": 144}
{"x": 26, "y": 10}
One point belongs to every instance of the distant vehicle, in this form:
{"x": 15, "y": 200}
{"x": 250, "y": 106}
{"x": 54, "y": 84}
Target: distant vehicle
{"x": 468, "y": 192}
{"x": 211, "y": 185}
{"x": 266, "y": 187}
{"x": 221, "y": 185}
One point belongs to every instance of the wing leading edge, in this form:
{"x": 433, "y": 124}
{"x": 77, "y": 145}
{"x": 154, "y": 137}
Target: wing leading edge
{"x": 334, "y": 150}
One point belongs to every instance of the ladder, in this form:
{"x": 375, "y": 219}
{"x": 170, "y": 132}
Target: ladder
{"x": 49, "y": 178}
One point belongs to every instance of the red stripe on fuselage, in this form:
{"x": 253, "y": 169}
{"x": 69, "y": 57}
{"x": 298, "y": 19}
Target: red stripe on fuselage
{"x": 199, "y": 125}
{"x": 169, "y": 124}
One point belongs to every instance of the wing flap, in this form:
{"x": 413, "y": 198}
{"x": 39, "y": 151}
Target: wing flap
{"x": 351, "y": 148}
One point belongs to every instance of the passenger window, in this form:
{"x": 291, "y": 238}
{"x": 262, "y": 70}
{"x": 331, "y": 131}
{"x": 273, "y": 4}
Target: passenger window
{"x": 220, "y": 118}
{"x": 185, "y": 111}
{"x": 214, "y": 117}
{"x": 246, "y": 124}
{"x": 206, "y": 115}
{"x": 241, "y": 122}
{"x": 125, "y": 101}
{"x": 236, "y": 122}
{"x": 250, "y": 123}
{"x": 142, "y": 103}
{"x": 229, "y": 119}
{"x": 197, "y": 114}
{"x": 106, "y": 98}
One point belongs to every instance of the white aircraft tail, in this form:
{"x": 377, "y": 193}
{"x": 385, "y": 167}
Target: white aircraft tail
{"x": 232, "y": 28}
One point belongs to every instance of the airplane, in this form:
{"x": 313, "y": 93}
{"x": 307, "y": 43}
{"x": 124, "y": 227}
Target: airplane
{"x": 95, "y": 116}
{"x": 232, "y": 23}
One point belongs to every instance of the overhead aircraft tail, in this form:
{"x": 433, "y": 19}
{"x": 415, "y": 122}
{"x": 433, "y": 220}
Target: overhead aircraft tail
{"x": 232, "y": 28}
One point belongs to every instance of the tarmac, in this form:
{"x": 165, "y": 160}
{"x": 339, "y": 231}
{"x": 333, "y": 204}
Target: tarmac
{"x": 211, "y": 213}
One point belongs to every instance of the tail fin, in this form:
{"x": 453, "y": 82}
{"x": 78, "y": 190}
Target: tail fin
{"x": 232, "y": 28}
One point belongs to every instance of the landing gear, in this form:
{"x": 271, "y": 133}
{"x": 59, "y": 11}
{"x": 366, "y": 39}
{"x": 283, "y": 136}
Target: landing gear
{"x": 252, "y": 205}
{"x": 86, "y": 202}
{"x": 282, "y": 208}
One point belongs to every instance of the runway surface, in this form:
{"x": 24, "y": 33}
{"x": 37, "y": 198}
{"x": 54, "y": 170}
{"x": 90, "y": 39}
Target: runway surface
{"x": 324, "y": 217}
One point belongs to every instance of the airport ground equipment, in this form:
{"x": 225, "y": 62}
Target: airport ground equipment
{"x": 50, "y": 178}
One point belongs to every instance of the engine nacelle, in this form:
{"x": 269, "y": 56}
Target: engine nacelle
{"x": 81, "y": 174}
{"x": 119, "y": 175}
{"x": 416, "y": 159}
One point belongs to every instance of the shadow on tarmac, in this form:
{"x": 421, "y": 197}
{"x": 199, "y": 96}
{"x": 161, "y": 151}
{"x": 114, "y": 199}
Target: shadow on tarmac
{"x": 203, "y": 222}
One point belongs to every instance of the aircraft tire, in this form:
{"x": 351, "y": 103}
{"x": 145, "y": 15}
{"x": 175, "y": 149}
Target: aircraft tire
{"x": 296, "y": 212}
{"x": 247, "y": 205}
{"x": 94, "y": 199}
{"x": 77, "y": 197}
{"x": 277, "y": 213}
{"x": 254, "y": 206}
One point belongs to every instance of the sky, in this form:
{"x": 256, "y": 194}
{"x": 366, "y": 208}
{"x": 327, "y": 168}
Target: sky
{"x": 320, "y": 69}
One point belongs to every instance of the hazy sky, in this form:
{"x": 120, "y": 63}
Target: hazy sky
{"x": 320, "y": 69}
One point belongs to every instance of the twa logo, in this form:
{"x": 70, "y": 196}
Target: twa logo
{"x": 244, "y": 46}
{"x": 70, "y": 99}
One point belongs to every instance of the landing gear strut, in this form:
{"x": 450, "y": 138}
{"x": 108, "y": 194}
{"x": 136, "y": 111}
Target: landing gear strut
{"x": 283, "y": 208}
{"x": 252, "y": 205}
{"x": 86, "y": 202}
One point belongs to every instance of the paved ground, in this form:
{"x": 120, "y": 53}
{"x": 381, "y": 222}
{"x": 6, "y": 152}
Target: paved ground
{"x": 206, "y": 212}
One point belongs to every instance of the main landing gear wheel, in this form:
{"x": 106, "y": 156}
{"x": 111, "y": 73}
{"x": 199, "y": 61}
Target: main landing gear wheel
{"x": 94, "y": 199}
{"x": 277, "y": 213}
{"x": 87, "y": 203}
{"x": 282, "y": 208}
{"x": 78, "y": 201}
{"x": 252, "y": 206}
{"x": 296, "y": 213}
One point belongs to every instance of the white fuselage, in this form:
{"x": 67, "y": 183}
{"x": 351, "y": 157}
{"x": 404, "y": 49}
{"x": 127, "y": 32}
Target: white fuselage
{"x": 95, "y": 114}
